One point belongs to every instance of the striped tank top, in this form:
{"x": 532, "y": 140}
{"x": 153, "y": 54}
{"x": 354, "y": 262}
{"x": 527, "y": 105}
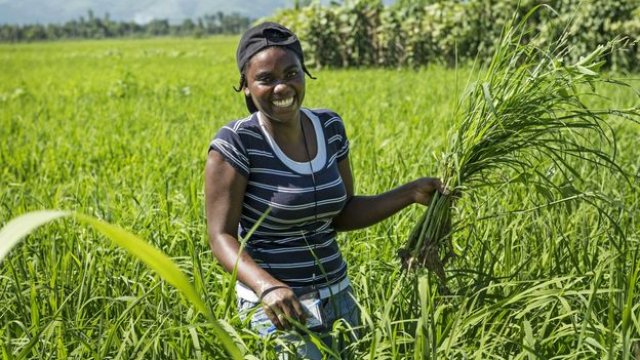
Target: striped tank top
{"x": 296, "y": 242}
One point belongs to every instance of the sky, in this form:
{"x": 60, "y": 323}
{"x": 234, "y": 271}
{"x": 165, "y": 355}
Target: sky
{"x": 141, "y": 11}
{"x": 60, "y": 11}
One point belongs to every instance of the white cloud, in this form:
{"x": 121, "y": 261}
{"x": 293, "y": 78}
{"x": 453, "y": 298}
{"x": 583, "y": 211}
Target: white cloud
{"x": 140, "y": 11}
{"x": 142, "y": 18}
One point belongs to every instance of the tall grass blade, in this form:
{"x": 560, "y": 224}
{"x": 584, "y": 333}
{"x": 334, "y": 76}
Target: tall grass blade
{"x": 18, "y": 228}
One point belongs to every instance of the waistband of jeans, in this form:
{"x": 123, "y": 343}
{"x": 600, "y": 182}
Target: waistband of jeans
{"x": 244, "y": 292}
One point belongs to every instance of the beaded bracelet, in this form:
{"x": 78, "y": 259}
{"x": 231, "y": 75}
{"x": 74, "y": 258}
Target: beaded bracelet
{"x": 273, "y": 288}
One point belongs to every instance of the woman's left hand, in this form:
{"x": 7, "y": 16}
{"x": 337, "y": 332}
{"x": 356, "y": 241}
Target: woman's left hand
{"x": 425, "y": 188}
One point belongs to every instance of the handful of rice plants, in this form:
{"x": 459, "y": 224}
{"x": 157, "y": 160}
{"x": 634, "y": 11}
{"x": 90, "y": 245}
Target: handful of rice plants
{"x": 526, "y": 107}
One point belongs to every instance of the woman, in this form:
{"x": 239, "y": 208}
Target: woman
{"x": 291, "y": 163}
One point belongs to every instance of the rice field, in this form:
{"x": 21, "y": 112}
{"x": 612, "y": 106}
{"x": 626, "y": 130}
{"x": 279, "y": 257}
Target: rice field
{"x": 119, "y": 130}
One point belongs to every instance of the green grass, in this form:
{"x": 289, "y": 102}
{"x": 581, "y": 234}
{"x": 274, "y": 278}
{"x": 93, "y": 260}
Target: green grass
{"x": 119, "y": 130}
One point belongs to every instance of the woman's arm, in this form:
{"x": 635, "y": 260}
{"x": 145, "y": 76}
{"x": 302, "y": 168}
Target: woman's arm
{"x": 363, "y": 211}
{"x": 224, "y": 193}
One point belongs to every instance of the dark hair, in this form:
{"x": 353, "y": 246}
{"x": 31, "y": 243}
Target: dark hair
{"x": 242, "y": 83}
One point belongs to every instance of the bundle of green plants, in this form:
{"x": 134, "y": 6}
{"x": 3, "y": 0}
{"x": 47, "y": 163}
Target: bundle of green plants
{"x": 529, "y": 105}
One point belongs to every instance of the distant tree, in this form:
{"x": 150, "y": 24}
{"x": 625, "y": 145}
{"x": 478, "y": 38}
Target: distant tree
{"x": 187, "y": 27}
{"x": 158, "y": 27}
{"x": 36, "y": 32}
{"x": 92, "y": 27}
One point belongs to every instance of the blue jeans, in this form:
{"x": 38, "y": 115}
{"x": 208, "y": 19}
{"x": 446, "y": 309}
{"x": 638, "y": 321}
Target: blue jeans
{"x": 341, "y": 305}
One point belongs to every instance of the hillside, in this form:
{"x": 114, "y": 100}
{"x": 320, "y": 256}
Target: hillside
{"x": 39, "y": 11}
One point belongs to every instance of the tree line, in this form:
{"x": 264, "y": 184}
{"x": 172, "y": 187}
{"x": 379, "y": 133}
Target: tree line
{"x": 93, "y": 27}
{"x": 407, "y": 33}
{"x": 419, "y": 32}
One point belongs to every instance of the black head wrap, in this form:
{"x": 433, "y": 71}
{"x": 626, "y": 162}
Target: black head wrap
{"x": 260, "y": 37}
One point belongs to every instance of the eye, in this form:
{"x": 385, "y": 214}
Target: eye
{"x": 265, "y": 79}
{"x": 292, "y": 74}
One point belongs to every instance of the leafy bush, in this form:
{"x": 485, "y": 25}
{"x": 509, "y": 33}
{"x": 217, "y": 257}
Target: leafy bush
{"x": 415, "y": 33}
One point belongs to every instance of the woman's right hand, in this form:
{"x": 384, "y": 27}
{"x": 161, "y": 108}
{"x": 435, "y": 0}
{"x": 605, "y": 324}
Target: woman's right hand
{"x": 282, "y": 305}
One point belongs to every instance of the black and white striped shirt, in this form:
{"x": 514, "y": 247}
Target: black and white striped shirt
{"x": 296, "y": 243}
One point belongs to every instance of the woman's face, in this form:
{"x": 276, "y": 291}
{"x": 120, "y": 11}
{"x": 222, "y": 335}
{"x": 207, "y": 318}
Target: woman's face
{"x": 275, "y": 82}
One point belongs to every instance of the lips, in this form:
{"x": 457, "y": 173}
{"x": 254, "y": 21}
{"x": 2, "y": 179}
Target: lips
{"x": 283, "y": 103}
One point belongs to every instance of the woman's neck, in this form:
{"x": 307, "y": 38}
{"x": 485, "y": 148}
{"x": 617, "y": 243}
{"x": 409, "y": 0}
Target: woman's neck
{"x": 290, "y": 131}
{"x": 297, "y": 139}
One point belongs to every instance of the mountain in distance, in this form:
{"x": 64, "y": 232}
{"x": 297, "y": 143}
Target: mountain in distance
{"x": 141, "y": 11}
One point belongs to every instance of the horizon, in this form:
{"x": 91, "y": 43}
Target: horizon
{"x": 34, "y": 12}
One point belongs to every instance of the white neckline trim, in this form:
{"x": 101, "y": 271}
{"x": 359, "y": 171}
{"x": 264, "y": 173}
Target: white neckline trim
{"x": 301, "y": 167}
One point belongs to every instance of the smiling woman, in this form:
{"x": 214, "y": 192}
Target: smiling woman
{"x": 292, "y": 164}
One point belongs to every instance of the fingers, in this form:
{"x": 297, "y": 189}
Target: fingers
{"x": 282, "y": 307}
{"x": 283, "y": 317}
{"x": 439, "y": 186}
{"x": 289, "y": 315}
{"x": 425, "y": 188}
{"x": 300, "y": 314}
{"x": 455, "y": 192}
{"x": 271, "y": 314}
{"x": 436, "y": 184}
{"x": 283, "y": 320}
{"x": 429, "y": 185}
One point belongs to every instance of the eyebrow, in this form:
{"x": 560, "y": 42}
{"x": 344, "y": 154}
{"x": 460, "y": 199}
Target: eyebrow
{"x": 291, "y": 66}
{"x": 267, "y": 73}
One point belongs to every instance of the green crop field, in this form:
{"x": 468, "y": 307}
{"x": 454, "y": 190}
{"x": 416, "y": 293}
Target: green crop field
{"x": 119, "y": 130}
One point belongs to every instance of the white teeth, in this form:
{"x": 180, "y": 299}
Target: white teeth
{"x": 284, "y": 102}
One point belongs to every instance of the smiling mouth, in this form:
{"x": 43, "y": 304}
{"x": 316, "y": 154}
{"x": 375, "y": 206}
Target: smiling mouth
{"x": 283, "y": 103}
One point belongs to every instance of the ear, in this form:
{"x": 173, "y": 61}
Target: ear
{"x": 246, "y": 91}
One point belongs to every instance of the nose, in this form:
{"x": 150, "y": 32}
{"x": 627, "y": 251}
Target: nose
{"x": 281, "y": 87}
